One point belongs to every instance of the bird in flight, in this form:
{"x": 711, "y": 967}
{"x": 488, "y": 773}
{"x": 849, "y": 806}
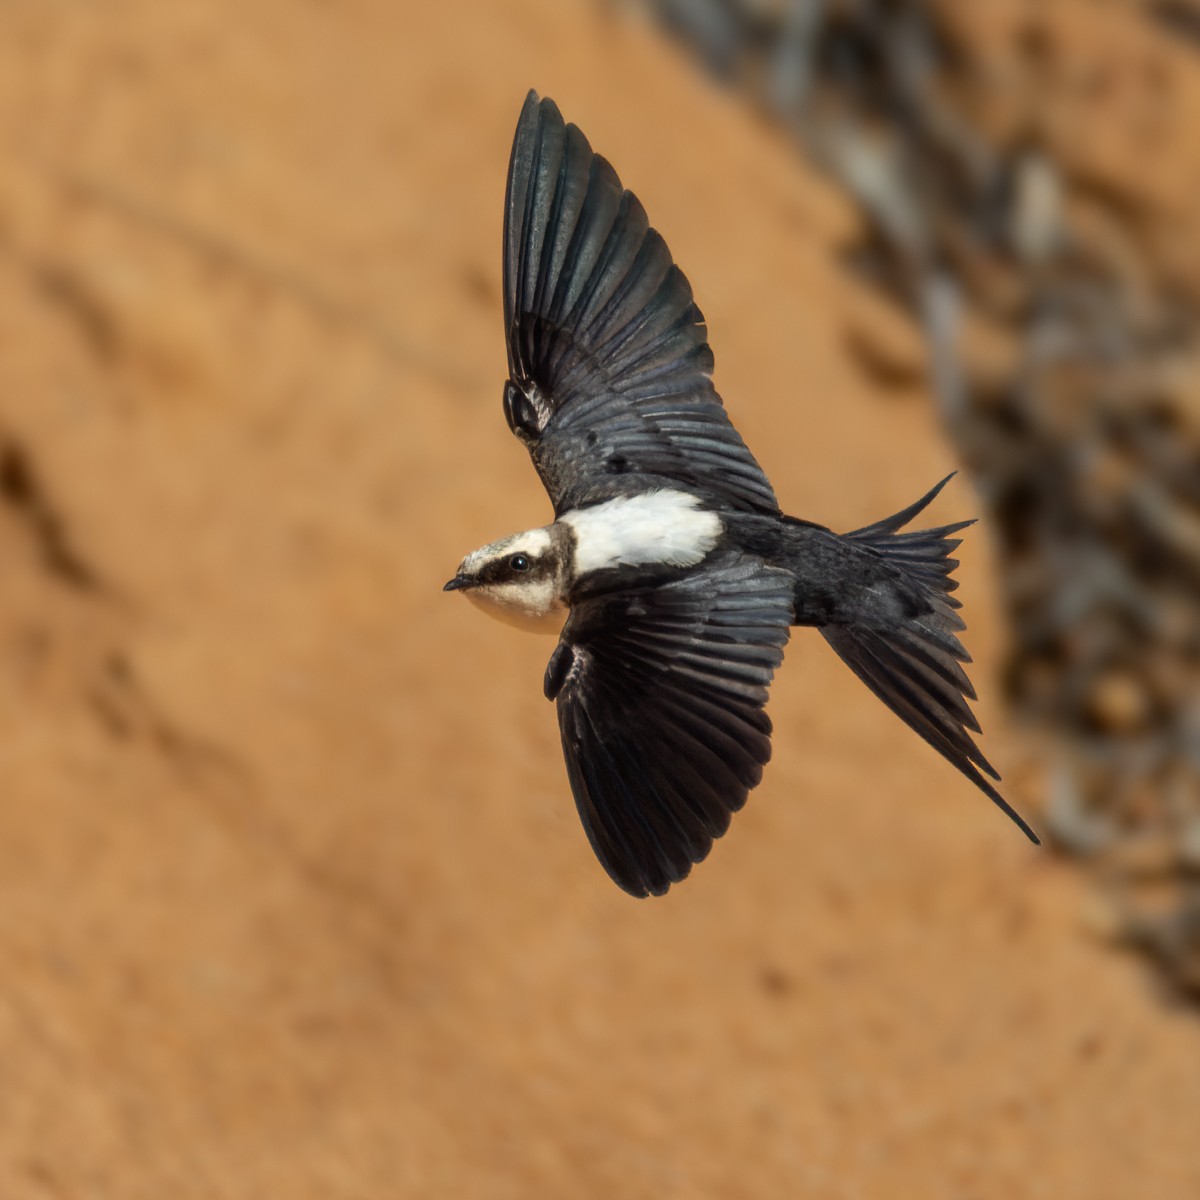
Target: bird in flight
{"x": 680, "y": 575}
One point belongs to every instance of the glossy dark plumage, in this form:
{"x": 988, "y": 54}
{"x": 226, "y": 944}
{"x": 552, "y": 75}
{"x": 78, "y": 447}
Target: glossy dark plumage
{"x": 661, "y": 673}
{"x": 661, "y": 691}
{"x": 606, "y": 348}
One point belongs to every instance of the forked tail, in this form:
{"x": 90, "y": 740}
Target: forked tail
{"x": 912, "y": 660}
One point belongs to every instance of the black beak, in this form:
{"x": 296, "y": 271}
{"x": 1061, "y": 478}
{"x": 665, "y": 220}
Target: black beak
{"x": 457, "y": 582}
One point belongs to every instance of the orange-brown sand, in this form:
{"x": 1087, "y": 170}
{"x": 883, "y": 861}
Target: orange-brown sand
{"x": 293, "y": 899}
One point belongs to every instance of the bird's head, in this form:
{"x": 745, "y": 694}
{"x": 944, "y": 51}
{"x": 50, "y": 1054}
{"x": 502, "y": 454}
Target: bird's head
{"x": 521, "y": 576}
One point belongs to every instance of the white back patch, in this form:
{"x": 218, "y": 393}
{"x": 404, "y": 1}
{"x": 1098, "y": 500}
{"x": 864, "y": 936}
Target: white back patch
{"x": 656, "y": 527}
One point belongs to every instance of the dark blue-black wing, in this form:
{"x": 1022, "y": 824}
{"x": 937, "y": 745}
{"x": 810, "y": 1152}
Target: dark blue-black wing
{"x": 610, "y": 371}
{"x": 661, "y": 694}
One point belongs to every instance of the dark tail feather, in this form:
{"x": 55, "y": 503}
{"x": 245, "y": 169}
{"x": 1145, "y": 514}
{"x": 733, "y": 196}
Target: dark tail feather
{"x": 913, "y": 664}
{"x": 898, "y": 520}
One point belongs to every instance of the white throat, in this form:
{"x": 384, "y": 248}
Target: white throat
{"x": 542, "y": 614}
{"x": 666, "y": 527}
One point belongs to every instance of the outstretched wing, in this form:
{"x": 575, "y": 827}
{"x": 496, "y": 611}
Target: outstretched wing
{"x": 610, "y": 371}
{"x": 661, "y": 694}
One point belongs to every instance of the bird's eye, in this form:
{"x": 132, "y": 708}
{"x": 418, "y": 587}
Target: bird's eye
{"x": 519, "y": 562}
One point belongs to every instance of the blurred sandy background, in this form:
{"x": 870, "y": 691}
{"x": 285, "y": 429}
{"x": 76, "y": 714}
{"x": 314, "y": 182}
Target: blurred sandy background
{"x": 293, "y": 899}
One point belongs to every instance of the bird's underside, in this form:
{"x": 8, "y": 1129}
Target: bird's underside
{"x": 681, "y": 573}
